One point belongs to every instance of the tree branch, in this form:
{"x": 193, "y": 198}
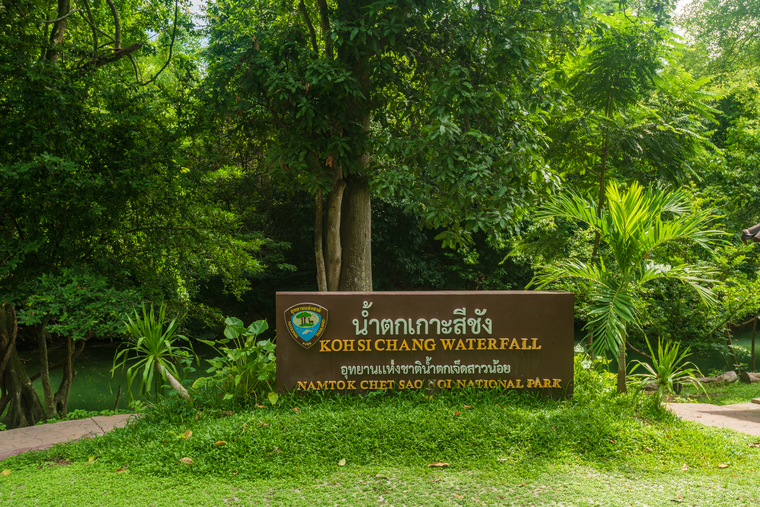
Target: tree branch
{"x": 113, "y": 57}
{"x": 637, "y": 350}
{"x": 134, "y": 66}
{"x": 171, "y": 46}
{"x": 324, "y": 22}
{"x": 305, "y": 14}
{"x": 91, "y": 22}
{"x": 63, "y": 361}
{"x": 51, "y": 21}
{"x": 179, "y": 388}
{"x": 95, "y": 28}
{"x": 116, "y": 25}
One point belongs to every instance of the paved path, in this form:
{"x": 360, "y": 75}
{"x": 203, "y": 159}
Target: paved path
{"x": 744, "y": 417}
{"x": 46, "y": 435}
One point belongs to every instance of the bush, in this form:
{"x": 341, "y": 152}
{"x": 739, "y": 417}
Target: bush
{"x": 245, "y": 370}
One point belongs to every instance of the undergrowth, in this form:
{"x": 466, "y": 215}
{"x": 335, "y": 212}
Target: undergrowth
{"x": 314, "y": 435}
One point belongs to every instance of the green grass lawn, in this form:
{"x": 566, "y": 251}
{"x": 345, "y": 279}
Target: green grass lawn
{"x": 502, "y": 449}
{"x": 542, "y": 484}
{"x": 723, "y": 394}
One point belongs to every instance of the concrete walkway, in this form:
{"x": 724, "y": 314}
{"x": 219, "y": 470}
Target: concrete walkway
{"x": 743, "y": 417}
{"x": 34, "y": 438}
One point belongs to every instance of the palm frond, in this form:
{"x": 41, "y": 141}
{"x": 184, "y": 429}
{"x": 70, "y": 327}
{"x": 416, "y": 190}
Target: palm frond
{"x": 571, "y": 206}
{"x": 611, "y": 308}
{"x": 691, "y": 275}
{"x": 571, "y": 268}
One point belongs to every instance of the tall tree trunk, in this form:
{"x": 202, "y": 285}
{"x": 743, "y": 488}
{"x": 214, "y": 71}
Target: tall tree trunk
{"x": 18, "y": 394}
{"x": 730, "y": 345}
{"x": 608, "y": 110}
{"x": 622, "y": 370}
{"x": 334, "y": 248}
{"x": 59, "y": 29}
{"x": 754, "y": 333}
{"x": 356, "y": 237}
{"x": 318, "y": 251}
{"x": 24, "y": 407}
{"x": 61, "y": 398}
{"x": 42, "y": 335}
{"x": 356, "y": 233}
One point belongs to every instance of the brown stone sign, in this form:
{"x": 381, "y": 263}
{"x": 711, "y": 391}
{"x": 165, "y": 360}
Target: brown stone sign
{"x": 510, "y": 340}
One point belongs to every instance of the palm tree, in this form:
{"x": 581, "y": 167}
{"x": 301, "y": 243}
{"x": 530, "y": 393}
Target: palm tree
{"x": 633, "y": 225}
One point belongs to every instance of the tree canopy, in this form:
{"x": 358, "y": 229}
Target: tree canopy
{"x": 436, "y": 103}
{"x": 338, "y": 145}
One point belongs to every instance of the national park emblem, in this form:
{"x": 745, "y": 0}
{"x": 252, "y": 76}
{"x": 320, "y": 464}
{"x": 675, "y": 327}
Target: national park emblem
{"x": 306, "y": 322}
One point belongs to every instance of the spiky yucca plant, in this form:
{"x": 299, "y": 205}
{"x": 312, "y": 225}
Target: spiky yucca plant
{"x": 154, "y": 348}
{"x": 668, "y": 368}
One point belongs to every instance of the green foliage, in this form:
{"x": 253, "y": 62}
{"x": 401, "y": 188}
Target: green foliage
{"x": 244, "y": 370}
{"x": 634, "y": 228}
{"x": 75, "y": 303}
{"x": 721, "y": 394}
{"x": 592, "y": 377}
{"x": 448, "y": 100}
{"x": 153, "y": 349}
{"x": 726, "y": 32}
{"x": 83, "y": 414}
{"x": 620, "y": 62}
{"x": 596, "y": 428}
{"x": 92, "y": 166}
{"x": 668, "y": 369}
{"x": 633, "y": 112}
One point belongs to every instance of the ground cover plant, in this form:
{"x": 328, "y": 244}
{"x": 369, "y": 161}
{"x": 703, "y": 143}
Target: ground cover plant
{"x": 598, "y": 448}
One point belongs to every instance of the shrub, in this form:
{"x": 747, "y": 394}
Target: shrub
{"x": 156, "y": 351}
{"x": 247, "y": 368}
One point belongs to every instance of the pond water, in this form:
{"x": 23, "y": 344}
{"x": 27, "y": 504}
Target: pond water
{"x": 95, "y": 389}
{"x": 705, "y": 361}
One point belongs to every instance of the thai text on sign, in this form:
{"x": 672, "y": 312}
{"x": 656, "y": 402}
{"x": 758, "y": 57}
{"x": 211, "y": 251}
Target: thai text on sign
{"x": 413, "y": 340}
